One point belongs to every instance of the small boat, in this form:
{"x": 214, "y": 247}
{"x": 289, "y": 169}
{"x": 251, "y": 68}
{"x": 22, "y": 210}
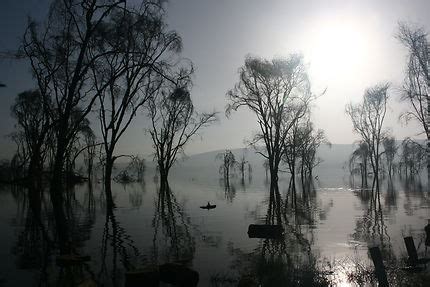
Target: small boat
{"x": 208, "y": 206}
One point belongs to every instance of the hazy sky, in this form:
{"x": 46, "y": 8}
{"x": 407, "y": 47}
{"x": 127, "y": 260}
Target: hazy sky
{"x": 347, "y": 45}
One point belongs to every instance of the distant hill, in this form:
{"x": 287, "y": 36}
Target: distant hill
{"x": 334, "y": 156}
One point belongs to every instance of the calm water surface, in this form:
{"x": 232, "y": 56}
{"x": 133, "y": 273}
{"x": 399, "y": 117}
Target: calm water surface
{"x": 331, "y": 226}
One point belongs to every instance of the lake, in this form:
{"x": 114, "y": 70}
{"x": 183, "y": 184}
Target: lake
{"x": 328, "y": 228}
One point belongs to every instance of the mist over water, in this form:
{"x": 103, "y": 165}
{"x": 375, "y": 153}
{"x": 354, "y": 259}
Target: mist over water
{"x": 332, "y": 224}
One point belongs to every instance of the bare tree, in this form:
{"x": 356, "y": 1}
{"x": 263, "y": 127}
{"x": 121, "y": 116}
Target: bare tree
{"x": 174, "y": 122}
{"x": 416, "y": 85}
{"x": 277, "y": 92}
{"x": 228, "y": 163}
{"x": 292, "y": 150}
{"x": 266, "y": 167}
{"x": 361, "y": 153}
{"x": 33, "y": 126}
{"x": 61, "y": 53}
{"x": 301, "y": 145}
{"x": 125, "y": 80}
{"x": 138, "y": 166}
{"x": 242, "y": 166}
{"x": 390, "y": 150}
{"x": 367, "y": 120}
{"x": 412, "y": 157}
{"x": 311, "y": 140}
{"x": 90, "y": 151}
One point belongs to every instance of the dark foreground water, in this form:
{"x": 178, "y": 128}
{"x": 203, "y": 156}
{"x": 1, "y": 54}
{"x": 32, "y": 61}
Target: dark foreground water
{"x": 328, "y": 229}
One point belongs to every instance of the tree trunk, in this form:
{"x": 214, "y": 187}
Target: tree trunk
{"x": 273, "y": 168}
{"x": 108, "y": 182}
{"x": 35, "y": 185}
{"x": 164, "y": 173}
{"x": 57, "y": 200}
{"x": 377, "y": 174}
{"x": 428, "y": 160}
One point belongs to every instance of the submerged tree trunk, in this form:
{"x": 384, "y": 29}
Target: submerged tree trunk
{"x": 57, "y": 199}
{"x": 164, "y": 173}
{"x": 35, "y": 186}
{"x": 108, "y": 182}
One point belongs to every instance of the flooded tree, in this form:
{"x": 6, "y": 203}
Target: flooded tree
{"x": 292, "y": 145}
{"x": 174, "y": 121}
{"x": 228, "y": 164}
{"x": 417, "y": 80}
{"x": 61, "y": 53}
{"x": 33, "y": 126}
{"x": 137, "y": 164}
{"x": 90, "y": 150}
{"x": 242, "y": 167}
{"x": 390, "y": 150}
{"x": 126, "y": 79}
{"x": 311, "y": 140}
{"x": 266, "y": 167}
{"x": 33, "y": 129}
{"x": 301, "y": 145}
{"x": 412, "y": 158}
{"x": 277, "y": 91}
{"x": 367, "y": 120}
{"x": 361, "y": 153}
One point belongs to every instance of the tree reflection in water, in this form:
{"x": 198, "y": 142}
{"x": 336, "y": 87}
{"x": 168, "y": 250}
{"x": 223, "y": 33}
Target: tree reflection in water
{"x": 289, "y": 261}
{"x": 175, "y": 239}
{"x": 33, "y": 246}
{"x": 371, "y": 229}
{"x": 36, "y": 246}
{"x": 118, "y": 247}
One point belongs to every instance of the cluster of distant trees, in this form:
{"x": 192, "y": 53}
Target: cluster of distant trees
{"x": 368, "y": 116}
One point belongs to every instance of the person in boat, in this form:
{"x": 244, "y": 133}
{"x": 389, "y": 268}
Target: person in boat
{"x": 427, "y": 230}
{"x": 208, "y": 206}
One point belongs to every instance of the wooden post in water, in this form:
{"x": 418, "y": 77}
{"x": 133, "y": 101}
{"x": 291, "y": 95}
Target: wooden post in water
{"x": 376, "y": 256}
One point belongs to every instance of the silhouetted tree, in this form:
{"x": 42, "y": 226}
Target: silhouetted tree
{"x": 301, "y": 146}
{"x": 417, "y": 81}
{"x": 242, "y": 166}
{"x": 33, "y": 126}
{"x": 360, "y": 153}
{"x": 228, "y": 163}
{"x": 90, "y": 151}
{"x": 61, "y": 53}
{"x": 412, "y": 158}
{"x": 125, "y": 80}
{"x": 277, "y": 92}
{"x": 390, "y": 150}
{"x": 174, "y": 121}
{"x": 138, "y": 165}
{"x": 311, "y": 140}
{"x": 266, "y": 166}
{"x": 292, "y": 151}
{"x": 367, "y": 120}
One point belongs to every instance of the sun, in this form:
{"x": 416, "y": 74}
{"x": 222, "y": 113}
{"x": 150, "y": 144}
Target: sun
{"x": 338, "y": 49}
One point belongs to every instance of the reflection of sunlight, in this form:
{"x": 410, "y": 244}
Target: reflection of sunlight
{"x": 342, "y": 269}
{"x": 338, "y": 48}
